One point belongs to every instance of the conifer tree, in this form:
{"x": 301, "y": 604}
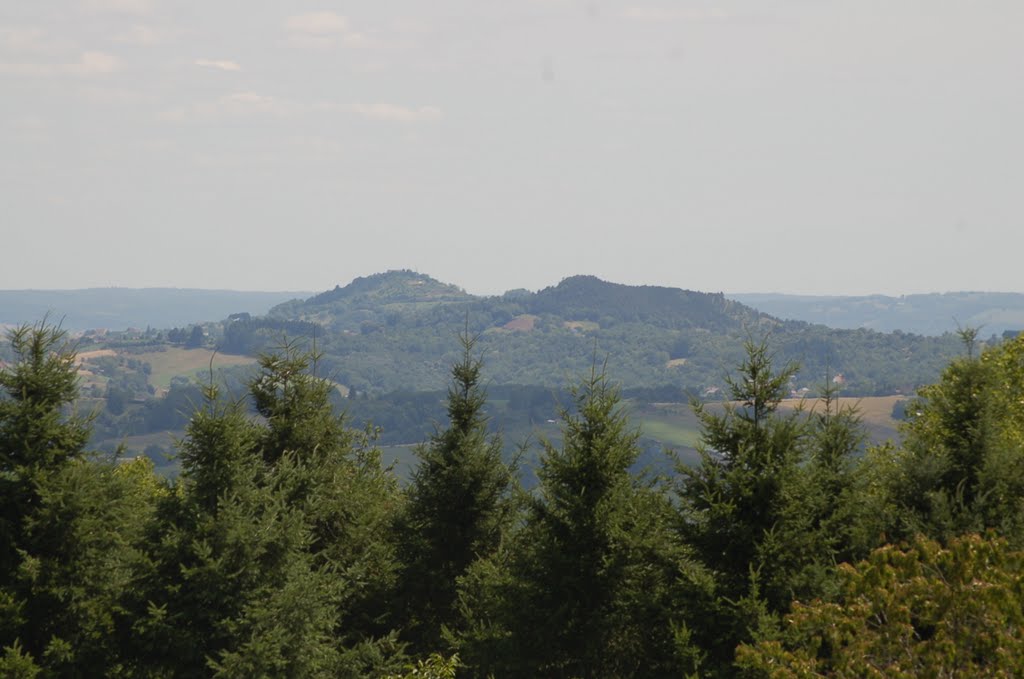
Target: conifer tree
{"x": 460, "y": 503}
{"x": 72, "y": 528}
{"x": 946, "y": 442}
{"x": 597, "y": 583}
{"x": 84, "y": 566}
{"x": 37, "y": 434}
{"x": 824, "y": 513}
{"x": 962, "y": 464}
{"x": 734, "y": 501}
{"x": 272, "y": 555}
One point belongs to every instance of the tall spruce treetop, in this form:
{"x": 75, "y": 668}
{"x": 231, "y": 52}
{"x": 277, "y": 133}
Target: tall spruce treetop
{"x": 273, "y": 562}
{"x": 734, "y": 500}
{"x": 71, "y": 529}
{"x": 297, "y": 407}
{"x": 37, "y": 435}
{"x": 460, "y": 503}
{"x": 961, "y": 468}
{"x": 584, "y": 487}
{"x": 217, "y": 456}
{"x": 35, "y": 430}
{"x": 731, "y": 498}
{"x": 597, "y": 583}
{"x": 826, "y": 515}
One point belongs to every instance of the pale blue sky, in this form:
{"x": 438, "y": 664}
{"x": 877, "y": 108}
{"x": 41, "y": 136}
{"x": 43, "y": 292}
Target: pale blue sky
{"x": 796, "y": 146}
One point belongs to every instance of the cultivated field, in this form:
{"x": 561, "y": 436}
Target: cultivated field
{"x": 175, "y": 361}
{"x": 675, "y": 425}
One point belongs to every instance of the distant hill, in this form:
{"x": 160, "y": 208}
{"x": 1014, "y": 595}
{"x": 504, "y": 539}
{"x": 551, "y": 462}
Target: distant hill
{"x": 120, "y": 308}
{"x": 590, "y": 298}
{"x": 383, "y": 298}
{"x": 373, "y": 299}
{"x": 396, "y": 332}
{"x": 929, "y": 314}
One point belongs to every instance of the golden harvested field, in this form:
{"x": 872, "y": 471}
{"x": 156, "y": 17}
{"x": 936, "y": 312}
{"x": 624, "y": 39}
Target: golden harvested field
{"x": 675, "y": 424}
{"x": 875, "y": 413}
{"x": 873, "y": 409}
{"x": 189, "y": 362}
{"x": 83, "y": 356}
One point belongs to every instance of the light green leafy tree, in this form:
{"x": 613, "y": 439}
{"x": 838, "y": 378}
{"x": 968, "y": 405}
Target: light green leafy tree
{"x": 921, "y": 611}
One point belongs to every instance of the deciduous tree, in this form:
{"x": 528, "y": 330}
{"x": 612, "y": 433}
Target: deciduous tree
{"x": 922, "y": 611}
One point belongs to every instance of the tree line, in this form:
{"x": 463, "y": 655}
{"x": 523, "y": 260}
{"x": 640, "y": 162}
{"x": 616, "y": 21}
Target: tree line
{"x": 286, "y": 548}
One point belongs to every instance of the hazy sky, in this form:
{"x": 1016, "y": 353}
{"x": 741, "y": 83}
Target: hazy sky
{"x": 811, "y": 146}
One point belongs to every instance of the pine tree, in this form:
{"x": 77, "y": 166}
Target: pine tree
{"x": 83, "y": 569}
{"x": 460, "y": 503}
{"x": 213, "y": 533}
{"x": 334, "y": 475}
{"x": 946, "y": 443}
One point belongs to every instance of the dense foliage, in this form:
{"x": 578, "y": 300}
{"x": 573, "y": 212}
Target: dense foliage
{"x": 285, "y": 548}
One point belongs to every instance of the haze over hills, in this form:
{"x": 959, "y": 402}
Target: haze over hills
{"x": 925, "y": 314}
{"x": 120, "y": 308}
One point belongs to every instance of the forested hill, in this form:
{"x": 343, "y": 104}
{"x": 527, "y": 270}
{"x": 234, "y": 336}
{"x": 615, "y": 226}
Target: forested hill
{"x": 396, "y": 331}
{"x": 373, "y": 299}
{"x": 382, "y": 298}
{"x": 590, "y": 298}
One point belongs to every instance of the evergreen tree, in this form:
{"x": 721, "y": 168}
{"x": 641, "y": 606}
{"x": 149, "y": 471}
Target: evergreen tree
{"x": 734, "y": 502}
{"x": 73, "y": 529}
{"x": 597, "y": 584}
{"x": 37, "y": 434}
{"x": 81, "y": 576}
{"x": 945, "y": 445}
{"x": 333, "y": 474}
{"x": 824, "y": 516}
{"x": 460, "y": 503}
{"x": 961, "y": 467}
{"x": 272, "y": 564}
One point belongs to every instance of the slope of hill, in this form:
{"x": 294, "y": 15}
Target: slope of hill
{"x": 931, "y": 314}
{"x": 373, "y": 299}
